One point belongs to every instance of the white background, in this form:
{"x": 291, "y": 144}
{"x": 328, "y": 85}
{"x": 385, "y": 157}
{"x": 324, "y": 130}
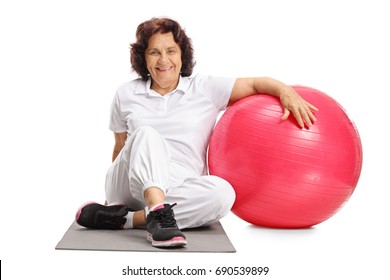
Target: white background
{"x": 60, "y": 64}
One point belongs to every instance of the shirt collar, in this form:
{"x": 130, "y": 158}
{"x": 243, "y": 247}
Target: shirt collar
{"x": 144, "y": 87}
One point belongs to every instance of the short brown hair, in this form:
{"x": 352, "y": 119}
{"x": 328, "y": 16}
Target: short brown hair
{"x": 160, "y": 25}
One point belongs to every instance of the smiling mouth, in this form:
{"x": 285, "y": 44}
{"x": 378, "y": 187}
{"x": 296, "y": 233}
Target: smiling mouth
{"x": 164, "y": 68}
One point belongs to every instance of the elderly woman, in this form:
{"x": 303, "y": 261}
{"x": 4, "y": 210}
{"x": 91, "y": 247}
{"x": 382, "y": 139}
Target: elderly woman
{"x": 162, "y": 124}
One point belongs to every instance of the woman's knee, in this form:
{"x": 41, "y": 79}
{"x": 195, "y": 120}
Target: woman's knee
{"x": 222, "y": 193}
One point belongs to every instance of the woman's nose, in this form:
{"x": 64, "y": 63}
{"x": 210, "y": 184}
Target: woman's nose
{"x": 163, "y": 58}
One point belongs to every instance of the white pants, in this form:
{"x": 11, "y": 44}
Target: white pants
{"x": 144, "y": 162}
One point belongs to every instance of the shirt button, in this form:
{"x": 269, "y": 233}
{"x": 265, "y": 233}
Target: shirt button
{"x": 162, "y": 103}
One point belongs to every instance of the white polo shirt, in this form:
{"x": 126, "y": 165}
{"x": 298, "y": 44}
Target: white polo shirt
{"x": 184, "y": 117}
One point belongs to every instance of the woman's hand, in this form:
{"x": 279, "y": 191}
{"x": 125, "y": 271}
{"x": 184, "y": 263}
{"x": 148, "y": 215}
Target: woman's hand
{"x": 301, "y": 109}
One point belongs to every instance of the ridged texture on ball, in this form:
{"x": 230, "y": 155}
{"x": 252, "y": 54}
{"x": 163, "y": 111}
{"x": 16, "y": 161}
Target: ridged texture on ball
{"x": 285, "y": 176}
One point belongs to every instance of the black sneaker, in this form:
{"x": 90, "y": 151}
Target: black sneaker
{"x": 96, "y": 216}
{"x": 162, "y": 228}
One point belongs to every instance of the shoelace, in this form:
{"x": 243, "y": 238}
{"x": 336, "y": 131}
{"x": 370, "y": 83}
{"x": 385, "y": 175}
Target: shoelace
{"x": 165, "y": 217}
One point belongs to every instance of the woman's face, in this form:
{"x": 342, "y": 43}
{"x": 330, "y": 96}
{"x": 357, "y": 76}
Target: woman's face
{"x": 163, "y": 61}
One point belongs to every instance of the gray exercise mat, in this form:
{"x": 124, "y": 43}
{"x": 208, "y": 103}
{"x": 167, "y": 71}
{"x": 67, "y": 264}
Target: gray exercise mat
{"x": 206, "y": 239}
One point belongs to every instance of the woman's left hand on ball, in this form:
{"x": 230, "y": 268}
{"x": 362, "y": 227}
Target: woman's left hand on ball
{"x": 300, "y": 108}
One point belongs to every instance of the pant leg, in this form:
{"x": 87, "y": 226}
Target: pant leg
{"x": 142, "y": 163}
{"x": 145, "y": 162}
{"x": 200, "y": 200}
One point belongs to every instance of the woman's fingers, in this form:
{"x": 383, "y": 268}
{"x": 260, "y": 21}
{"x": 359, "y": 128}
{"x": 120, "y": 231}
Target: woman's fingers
{"x": 302, "y": 112}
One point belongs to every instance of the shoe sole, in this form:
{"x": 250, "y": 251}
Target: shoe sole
{"x": 174, "y": 242}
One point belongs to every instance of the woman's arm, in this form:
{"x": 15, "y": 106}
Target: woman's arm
{"x": 290, "y": 99}
{"x": 120, "y": 139}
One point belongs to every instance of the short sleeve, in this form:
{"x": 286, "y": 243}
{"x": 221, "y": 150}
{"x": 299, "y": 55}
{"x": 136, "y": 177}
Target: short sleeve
{"x": 218, "y": 90}
{"x": 117, "y": 120}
